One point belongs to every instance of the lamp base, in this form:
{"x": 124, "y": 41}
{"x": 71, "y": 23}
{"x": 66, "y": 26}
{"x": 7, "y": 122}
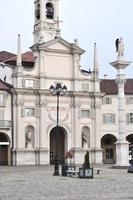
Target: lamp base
{"x": 56, "y": 170}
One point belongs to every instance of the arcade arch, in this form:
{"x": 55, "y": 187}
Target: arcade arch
{"x": 5, "y": 155}
{"x": 109, "y": 148}
{"x": 58, "y": 137}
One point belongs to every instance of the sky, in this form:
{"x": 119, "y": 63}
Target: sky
{"x": 89, "y": 21}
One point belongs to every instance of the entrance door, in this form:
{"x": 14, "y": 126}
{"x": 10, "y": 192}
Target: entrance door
{"x": 57, "y": 143}
{"x": 109, "y": 149}
{"x": 3, "y": 155}
{"x": 109, "y": 155}
{"x": 4, "y": 145}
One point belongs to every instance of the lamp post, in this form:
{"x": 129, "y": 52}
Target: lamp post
{"x": 57, "y": 91}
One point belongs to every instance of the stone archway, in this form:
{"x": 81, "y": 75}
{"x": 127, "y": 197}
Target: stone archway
{"x": 109, "y": 149}
{"x": 61, "y": 144}
{"x": 4, "y": 149}
{"x": 129, "y": 138}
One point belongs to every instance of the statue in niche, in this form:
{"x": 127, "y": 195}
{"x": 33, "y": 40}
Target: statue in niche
{"x": 85, "y": 138}
{"x": 28, "y": 139}
{"x": 119, "y": 47}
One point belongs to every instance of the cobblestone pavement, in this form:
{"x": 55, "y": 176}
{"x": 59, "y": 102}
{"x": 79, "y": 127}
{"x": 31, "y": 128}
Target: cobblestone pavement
{"x": 38, "y": 183}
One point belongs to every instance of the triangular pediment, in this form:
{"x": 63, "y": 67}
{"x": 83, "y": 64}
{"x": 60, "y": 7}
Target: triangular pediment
{"x": 58, "y": 45}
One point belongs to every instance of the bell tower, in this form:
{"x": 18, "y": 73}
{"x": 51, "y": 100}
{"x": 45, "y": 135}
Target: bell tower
{"x": 46, "y": 17}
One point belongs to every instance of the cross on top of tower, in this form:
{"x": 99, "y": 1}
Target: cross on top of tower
{"x": 58, "y": 30}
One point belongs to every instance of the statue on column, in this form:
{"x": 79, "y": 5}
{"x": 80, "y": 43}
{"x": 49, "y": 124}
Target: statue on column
{"x": 28, "y": 139}
{"x": 84, "y": 138}
{"x": 119, "y": 47}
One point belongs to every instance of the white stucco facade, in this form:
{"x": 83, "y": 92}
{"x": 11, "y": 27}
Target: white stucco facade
{"x": 88, "y": 114}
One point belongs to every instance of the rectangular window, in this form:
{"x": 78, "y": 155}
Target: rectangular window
{"x": 108, "y": 118}
{"x": 29, "y": 112}
{"x": 2, "y": 99}
{"x": 107, "y": 100}
{"x": 130, "y": 100}
{"x": 29, "y": 83}
{"x": 85, "y": 113}
{"x": 130, "y": 118}
{"x": 85, "y": 87}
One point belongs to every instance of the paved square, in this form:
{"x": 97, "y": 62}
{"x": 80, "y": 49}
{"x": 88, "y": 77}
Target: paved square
{"x": 38, "y": 183}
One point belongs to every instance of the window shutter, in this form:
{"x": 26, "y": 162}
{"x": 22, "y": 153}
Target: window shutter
{"x": 23, "y": 83}
{"x": 128, "y": 118}
{"x": 80, "y": 114}
{"x": 104, "y": 118}
{"x": 113, "y": 118}
{"x": 4, "y": 99}
{"x": 22, "y": 112}
{"x": 110, "y": 101}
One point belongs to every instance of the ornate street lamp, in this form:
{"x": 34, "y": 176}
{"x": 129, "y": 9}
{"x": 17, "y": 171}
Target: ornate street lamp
{"x": 57, "y": 91}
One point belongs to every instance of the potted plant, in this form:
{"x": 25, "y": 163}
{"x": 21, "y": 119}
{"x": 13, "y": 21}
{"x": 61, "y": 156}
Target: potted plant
{"x": 86, "y": 171}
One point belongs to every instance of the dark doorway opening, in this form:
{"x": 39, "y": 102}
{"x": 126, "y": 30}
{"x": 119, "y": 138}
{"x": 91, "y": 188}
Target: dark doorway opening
{"x": 109, "y": 149}
{"x": 4, "y": 144}
{"x": 60, "y": 145}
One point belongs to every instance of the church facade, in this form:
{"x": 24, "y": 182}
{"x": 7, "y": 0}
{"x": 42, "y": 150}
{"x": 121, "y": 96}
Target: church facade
{"x": 88, "y": 116}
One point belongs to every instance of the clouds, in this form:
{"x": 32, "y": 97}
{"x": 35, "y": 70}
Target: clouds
{"x": 90, "y": 21}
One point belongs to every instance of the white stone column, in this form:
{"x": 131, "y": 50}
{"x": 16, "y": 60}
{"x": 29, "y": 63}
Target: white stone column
{"x": 122, "y": 146}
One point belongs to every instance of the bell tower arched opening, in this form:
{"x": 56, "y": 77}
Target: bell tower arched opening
{"x": 46, "y": 20}
{"x": 49, "y": 10}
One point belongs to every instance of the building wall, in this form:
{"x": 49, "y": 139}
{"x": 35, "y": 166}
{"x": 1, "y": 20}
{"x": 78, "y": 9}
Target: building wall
{"x": 6, "y": 128}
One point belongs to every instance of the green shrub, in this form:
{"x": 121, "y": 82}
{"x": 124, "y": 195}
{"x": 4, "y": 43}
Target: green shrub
{"x": 87, "y": 161}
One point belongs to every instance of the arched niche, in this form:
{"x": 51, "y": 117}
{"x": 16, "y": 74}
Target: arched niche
{"x": 29, "y": 137}
{"x": 85, "y": 137}
{"x": 129, "y": 138}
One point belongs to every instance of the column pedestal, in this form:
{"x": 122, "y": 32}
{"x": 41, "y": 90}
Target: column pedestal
{"x": 122, "y": 149}
{"x": 96, "y": 155}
